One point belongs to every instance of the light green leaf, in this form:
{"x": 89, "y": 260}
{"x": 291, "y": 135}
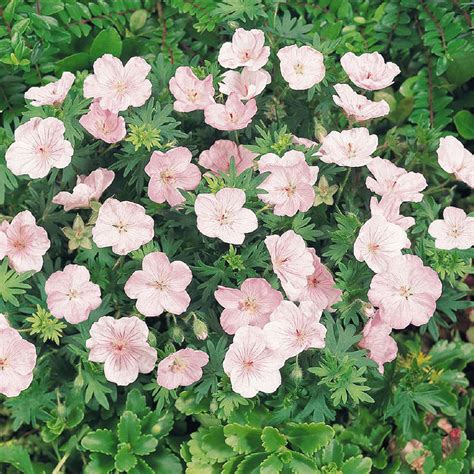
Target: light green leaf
{"x": 100, "y": 441}
{"x": 309, "y": 437}
{"x": 272, "y": 439}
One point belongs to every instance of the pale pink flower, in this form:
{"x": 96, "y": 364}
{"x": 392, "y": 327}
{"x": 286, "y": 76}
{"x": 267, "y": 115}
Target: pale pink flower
{"x": 251, "y": 366}
{"x": 306, "y": 142}
{"x": 390, "y": 179}
{"x": 190, "y": 92}
{"x": 117, "y": 86}
{"x": 251, "y": 305}
{"x": 357, "y": 106}
{"x": 377, "y": 340}
{"x": 88, "y": 188}
{"x": 246, "y": 84}
{"x": 182, "y": 368}
{"x": 290, "y": 183}
{"x": 369, "y": 70}
{"x": 350, "y": 148}
{"x": 26, "y": 243}
{"x": 170, "y": 172}
{"x": 124, "y": 226}
{"x": 302, "y": 67}
{"x": 291, "y": 260}
{"x": 378, "y": 242}
{"x": 454, "y": 158}
{"x": 160, "y": 286}
{"x": 246, "y": 49}
{"x": 3, "y": 322}
{"x": 222, "y": 215}
{"x": 319, "y": 289}
{"x": 71, "y": 295}
{"x": 123, "y": 347}
{"x": 17, "y": 361}
{"x": 103, "y": 124}
{"x": 3, "y": 240}
{"x": 389, "y": 207}
{"x": 39, "y": 146}
{"x": 233, "y": 115}
{"x": 53, "y": 93}
{"x": 406, "y": 292}
{"x": 218, "y": 157}
{"x": 294, "y": 329}
{"x": 454, "y": 231}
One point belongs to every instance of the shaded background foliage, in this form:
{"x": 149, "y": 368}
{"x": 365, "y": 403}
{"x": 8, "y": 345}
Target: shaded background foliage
{"x": 334, "y": 412}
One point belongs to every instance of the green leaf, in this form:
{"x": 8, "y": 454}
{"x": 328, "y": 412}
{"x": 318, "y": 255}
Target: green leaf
{"x": 125, "y": 459}
{"x": 18, "y": 457}
{"x": 107, "y": 41}
{"x": 11, "y": 283}
{"x": 100, "y": 441}
{"x": 138, "y": 20}
{"x": 464, "y": 121}
{"x": 145, "y": 445}
{"x": 301, "y": 464}
{"x": 100, "y": 464}
{"x": 271, "y": 465}
{"x": 73, "y": 63}
{"x": 272, "y": 439}
{"x": 251, "y": 464}
{"x": 128, "y": 428}
{"x": 136, "y": 402}
{"x": 309, "y": 437}
{"x": 357, "y": 465}
{"x": 243, "y": 439}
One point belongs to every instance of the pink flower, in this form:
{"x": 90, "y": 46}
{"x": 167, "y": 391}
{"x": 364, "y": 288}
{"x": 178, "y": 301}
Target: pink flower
{"x": 357, "y": 106}
{"x": 233, "y": 115}
{"x": 218, "y": 157}
{"x": 292, "y": 262}
{"x": 124, "y": 226}
{"x": 350, "y": 148}
{"x": 117, "y": 86}
{"x": 455, "y": 231}
{"x": 369, "y": 70}
{"x": 246, "y": 49}
{"x": 39, "y": 146}
{"x": 190, "y": 92}
{"x": 103, "y": 124}
{"x": 454, "y": 158}
{"x": 3, "y": 322}
{"x": 170, "y": 172}
{"x": 290, "y": 183}
{"x": 406, "y": 292}
{"x": 88, "y": 188}
{"x": 319, "y": 288}
{"x": 251, "y": 366}
{"x": 160, "y": 286}
{"x": 306, "y": 142}
{"x": 53, "y": 93}
{"x": 378, "y": 242}
{"x": 249, "y": 306}
{"x": 390, "y": 179}
{"x": 222, "y": 215}
{"x": 123, "y": 347}
{"x": 3, "y": 239}
{"x": 377, "y": 340}
{"x": 182, "y": 368}
{"x": 26, "y": 243}
{"x": 71, "y": 295}
{"x": 17, "y": 361}
{"x": 389, "y": 207}
{"x": 302, "y": 67}
{"x": 246, "y": 84}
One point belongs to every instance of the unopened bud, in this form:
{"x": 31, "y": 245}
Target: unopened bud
{"x": 296, "y": 374}
{"x": 233, "y": 24}
{"x": 319, "y": 132}
{"x": 200, "y": 329}
{"x": 177, "y": 334}
{"x": 368, "y": 310}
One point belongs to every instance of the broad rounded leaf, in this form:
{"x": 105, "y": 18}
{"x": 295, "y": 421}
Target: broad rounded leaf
{"x": 243, "y": 439}
{"x": 308, "y": 437}
{"x": 100, "y": 441}
{"x": 357, "y": 464}
{"x": 107, "y": 41}
{"x": 272, "y": 439}
{"x": 138, "y": 20}
{"x": 145, "y": 445}
{"x": 464, "y": 121}
{"x": 125, "y": 459}
{"x": 128, "y": 428}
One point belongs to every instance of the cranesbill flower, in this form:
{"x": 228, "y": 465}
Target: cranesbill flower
{"x": 246, "y": 49}
{"x": 454, "y": 158}
{"x": 251, "y": 366}
{"x": 39, "y": 146}
{"x": 103, "y": 124}
{"x": 350, "y": 148}
{"x": 233, "y": 115}
{"x": 124, "y": 226}
{"x": 218, "y": 157}
{"x": 454, "y": 231}
{"x": 390, "y": 179}
{"x": 222, "y": 215}
{"x": 160, "y": 286}
{"x": 117, "y": 86}
{"x": 389, "y": 207}
{"x": 121, "y": 344}
{"x": 294, "y": 329}
{"x": 190, "y": 92}
{"x": 302, "y": 67}
{"x": 171, "y": 172}
{"x": 251, "y": 305}
{"x": 246, "y": 84}
{"x": 369, "y": 70}
{"x": 53, "y": 93}
{"x": 88, "y": 188}
{"x": 17, "y": 361}
{"x": 181, "y": 368}
{"x": 357, "y": 106}
{"x": 71, "y": 295}
{"x": 406, "y": 292}
{"x": 306, "y": 142}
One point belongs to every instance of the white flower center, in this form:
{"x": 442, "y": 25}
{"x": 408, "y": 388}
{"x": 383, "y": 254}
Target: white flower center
{"x": 193, "y": 95}
{"x": 455, "y": 232}
{"x": 167, "y": 177}
{"x": 178, "y": 366}
{"x": 3, "y": 363}
{"x": 249, "y": 305}
{"x": 121, "y": 226}
{"x": 72, "y": 294}
{"x": 299, "y": 68}
{"x": 120, "y": 87}
{"x": 405, "y": 292}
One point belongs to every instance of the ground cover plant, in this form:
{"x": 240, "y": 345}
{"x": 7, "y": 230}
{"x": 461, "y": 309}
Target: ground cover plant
{"x": 235, "y": 236}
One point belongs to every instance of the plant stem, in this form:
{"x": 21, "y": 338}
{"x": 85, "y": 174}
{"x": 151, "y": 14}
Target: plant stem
{"x": 343, "y": 185}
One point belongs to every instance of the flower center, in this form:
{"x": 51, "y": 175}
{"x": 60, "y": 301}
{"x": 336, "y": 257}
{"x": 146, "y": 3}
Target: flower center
{"x": 72, "y": 294}
{"x": 232, "y": 117}
{"x": 122, "y": 227}
{"x": 160, "y": 285}
{"x": 178, "y": 365}
{"x": 120, "y": 87}
{"x": 455, "y": 231}
{"x": 118, "y": 346}
{"x": 19, "y": 245}
{"x": 3, "y": 364}
{"x": 249, "y": 305}
{"x": 405, "y": 292}
{"x": 373, "y": 247}
{"x": 167, "y": 177}
{"x": 193, "y": 95}
{"x": 248, "y": 364}
{"x": 245, "y": 55}
{"x": 43, "y": 151}
{"x": 300, "y": 335}
{"x": 312, "y": 281}
{"x": 223, "y": 218}
{"x": 299, "y": 68}
{"x": 290, "y": 190}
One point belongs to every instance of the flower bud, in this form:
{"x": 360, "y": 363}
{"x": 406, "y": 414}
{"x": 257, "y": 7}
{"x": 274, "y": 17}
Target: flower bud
{"x": 319, "y": 132}
{"x": 296, "y": 374}
{"x": 177, "y": 334}
{"x": 200, "y": 329}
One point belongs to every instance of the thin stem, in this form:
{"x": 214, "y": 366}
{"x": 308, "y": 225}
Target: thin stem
{"x": 343, "y": 185}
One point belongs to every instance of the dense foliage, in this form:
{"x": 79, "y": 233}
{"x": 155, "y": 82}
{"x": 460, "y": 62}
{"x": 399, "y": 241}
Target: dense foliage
{"x": 334, "y": 411}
